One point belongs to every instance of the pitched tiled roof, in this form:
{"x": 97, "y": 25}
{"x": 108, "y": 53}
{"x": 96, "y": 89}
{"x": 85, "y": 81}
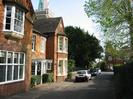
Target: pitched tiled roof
{"x": 46, "y": 25}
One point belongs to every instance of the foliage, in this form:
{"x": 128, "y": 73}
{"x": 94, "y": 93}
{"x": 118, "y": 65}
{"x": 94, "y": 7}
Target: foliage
{"x": 83, "y": 48}
{"x": 102, "y": 65}
{"x": 123, "y": 81}
{"x": 115, "y": 18}
{"x": 47, "y": 78}
{"x": 71, "y": 65}
{"x": 35, "y": 79}
{"x": 69, "y": 76}
{"x": 111, "y": 49}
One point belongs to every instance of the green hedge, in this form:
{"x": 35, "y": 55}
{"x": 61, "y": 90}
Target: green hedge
{"x": 35, "y": 79}
{"x": 124, "y": 81}
{"x": 47, "y": 77}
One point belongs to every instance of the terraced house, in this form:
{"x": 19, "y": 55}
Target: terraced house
{"x": 40, "y": 65}
{"x": 16, "y": 22}
{"x": 56, "y": 44}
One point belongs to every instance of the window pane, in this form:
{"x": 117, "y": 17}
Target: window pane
{"x": 49, "y": 66}
{"x": 15, "y": 72}
{"x": 60, "y": 43}
{"x": 38, "y": 68}
{"x": 2, "y": 73}
{"x": 61, "y": 66}
{"x": 8, "y": 14}
{"x": 9, "y": 73}
{"x": 10, "y": 56}
{"x": 8, "y": 17}
{"x": 8, "y": 20}
{"x": 2, "y": 57}
{"x": 8, "y": 26}
{"x": 66, "y": 44}
{"x": 16, "y": 58}
{"x": 21, "y": 58}
{"x": 9, "y": 8}
{"x": 18, "y": 22}
{"x": 33, "y": 68}
{"x": 33, "y": 42}
{"x": 21, "y": 72}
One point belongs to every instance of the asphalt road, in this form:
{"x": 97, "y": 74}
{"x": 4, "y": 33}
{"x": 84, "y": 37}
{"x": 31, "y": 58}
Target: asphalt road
{"x": 100, "y": 87}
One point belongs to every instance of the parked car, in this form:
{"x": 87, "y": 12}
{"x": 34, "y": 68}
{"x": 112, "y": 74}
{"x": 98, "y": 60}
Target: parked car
{"x": 93, "y": 72}
{"x": 83, "y": 75}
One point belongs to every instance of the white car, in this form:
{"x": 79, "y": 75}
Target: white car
{"x": 83, "y": 75}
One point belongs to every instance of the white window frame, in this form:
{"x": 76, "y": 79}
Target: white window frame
{"x": 13, "y": 64}
{"x": 59, "y": 45}
{"x": 64, "y": 44}
{"x": 43, "y": 45}
{"x": 64, "y": 67}
{"x": 33, "y": 43}
{"x": 13, "y": 20}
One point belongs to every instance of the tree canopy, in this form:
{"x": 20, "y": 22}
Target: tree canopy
{"x": 83, "y": 48}
{"x": 115, "y": 18}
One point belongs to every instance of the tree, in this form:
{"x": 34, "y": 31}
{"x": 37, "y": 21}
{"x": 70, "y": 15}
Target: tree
{"x": 83, "y": 48}
{"x": 115, "y": 18}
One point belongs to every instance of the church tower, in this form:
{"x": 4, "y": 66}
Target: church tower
{"x": 41, "y": 5}
{"x": 43, "y": 10}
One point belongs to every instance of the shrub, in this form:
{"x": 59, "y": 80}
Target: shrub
{"x": 69, "y": 76}
{"x": 47, "y": 78}
{"x": 35, "y": 79}
{"x": 124, "y": 81}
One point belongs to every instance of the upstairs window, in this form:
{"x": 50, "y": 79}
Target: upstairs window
{"x": 43, "y": 44}
{"x": 33, "y": 43}
{"x": 14, "y": 19}
{"x": 60, "y": 43}
{"x": 66, "y": 44}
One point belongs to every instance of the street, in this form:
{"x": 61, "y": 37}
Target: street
{"x": 100, "y": 87}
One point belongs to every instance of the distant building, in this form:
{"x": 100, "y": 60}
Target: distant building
{"x": 56, "y": 44}
{"x": 16, "y": 22}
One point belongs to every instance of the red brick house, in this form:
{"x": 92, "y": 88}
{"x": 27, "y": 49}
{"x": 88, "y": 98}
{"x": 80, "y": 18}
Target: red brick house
{"x": 40, "y": 65}
{"x": 56, "y": 44}
{"x": 16, "y": 22}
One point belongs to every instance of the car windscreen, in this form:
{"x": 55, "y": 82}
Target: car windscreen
{"x": 81, "y": 72}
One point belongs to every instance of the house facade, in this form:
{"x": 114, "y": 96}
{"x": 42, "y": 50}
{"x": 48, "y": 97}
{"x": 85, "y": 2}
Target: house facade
{"x": 40, "y": 65}
{"x": 16, "y": 23}
{"x": 56, "y": 44}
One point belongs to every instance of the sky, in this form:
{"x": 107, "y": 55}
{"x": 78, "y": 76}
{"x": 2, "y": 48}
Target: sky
{"x": 73, "y": 14}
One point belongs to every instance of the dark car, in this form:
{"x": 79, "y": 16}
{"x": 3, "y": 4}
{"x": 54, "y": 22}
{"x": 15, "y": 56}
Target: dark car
{"x": 93, "y": 72}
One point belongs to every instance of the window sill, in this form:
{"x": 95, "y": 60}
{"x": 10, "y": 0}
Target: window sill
{"x": 8, "y": 82}
{"x": 63, "y": 52}
{"x": 62, "y": 75}
{"x": 13, "y": 34}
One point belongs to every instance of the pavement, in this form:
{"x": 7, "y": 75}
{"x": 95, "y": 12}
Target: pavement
{"x": 38, "y": 90}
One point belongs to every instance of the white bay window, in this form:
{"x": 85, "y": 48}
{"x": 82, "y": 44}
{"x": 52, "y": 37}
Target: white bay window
{"x": 14, "y": 21}
{"x": 11, "y": 66}
{"x": 62, "y": 44}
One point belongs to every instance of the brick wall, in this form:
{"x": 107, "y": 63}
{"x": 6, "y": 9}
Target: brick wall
{"x": 37, "y": 54}
{"x": 17, "y": 45}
